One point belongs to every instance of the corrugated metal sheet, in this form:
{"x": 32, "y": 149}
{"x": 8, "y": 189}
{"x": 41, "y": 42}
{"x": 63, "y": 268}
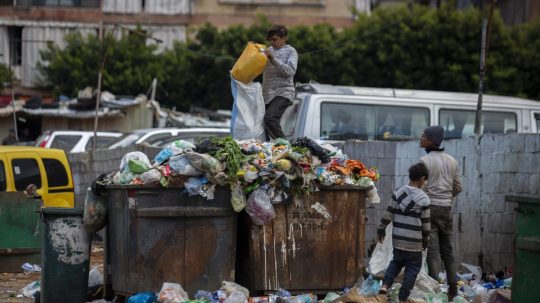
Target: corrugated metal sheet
{"x": 122, "y": 6}
{"x": 168, "y": 7}
{"x": 31, "y": 48}
{"x": 4, "y": 45}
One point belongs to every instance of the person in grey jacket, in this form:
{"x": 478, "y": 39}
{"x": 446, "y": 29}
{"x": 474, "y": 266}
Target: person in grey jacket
{"x": 278, "y": 84}
{"x": 443, "y": 185}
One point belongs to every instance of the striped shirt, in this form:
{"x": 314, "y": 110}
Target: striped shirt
{"x": 279, "y": 73}
{"x": 409, "y": 212}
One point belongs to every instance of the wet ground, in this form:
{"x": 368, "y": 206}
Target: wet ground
{"x": 12, "y": 283}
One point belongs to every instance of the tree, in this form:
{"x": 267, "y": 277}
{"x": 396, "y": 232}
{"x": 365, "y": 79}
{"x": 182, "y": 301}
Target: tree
{"x": 130, "y": 66}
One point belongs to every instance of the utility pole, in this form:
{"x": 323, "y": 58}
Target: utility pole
{"x": 486, "y": 36}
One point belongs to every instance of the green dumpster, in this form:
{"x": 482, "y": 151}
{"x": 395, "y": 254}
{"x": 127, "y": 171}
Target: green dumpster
{"x": 19, "y": 231}
{"x": 525, "y": 283}
{"x": 66, "y": 256}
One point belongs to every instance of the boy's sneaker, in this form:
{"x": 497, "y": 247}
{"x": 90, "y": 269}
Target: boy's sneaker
{"x": 383, "y": 290}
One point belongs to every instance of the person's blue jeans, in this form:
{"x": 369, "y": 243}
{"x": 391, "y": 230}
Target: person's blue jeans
{"x": 412, "y": 261}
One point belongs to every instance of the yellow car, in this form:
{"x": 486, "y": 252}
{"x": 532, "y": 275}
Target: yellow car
{"x": 48, "y": 169}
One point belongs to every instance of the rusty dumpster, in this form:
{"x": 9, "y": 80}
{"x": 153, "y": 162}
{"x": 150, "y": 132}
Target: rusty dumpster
{"x": 302, "y": 250}
{"x": 158, "y": 235}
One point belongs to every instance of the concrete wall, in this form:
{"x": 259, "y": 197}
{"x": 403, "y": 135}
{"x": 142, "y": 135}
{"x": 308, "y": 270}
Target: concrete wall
{"x": 492, "y": 166}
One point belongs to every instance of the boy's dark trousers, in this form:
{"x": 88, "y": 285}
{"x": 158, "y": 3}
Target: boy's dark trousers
{"x": 412, "y": 261}
{"x": 272, "y": 117}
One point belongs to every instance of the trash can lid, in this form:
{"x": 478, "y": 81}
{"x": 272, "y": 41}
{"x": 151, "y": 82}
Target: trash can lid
{"x": 62, "y": 211}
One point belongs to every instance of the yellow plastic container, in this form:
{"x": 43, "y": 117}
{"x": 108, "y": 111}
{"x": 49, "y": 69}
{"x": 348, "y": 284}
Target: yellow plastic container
{"x": 250, "y": 64}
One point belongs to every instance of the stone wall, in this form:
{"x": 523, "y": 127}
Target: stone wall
{"x": 491, "y": 167}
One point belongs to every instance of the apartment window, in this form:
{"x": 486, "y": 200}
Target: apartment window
{"x": 66, "y": 3}
{"x": 6, "y": 2}
{"x": 275, "y": 2}
{"x": 15, "y": 44}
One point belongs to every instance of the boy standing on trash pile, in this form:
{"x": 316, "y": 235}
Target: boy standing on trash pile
{"x": 278, "y": 84}
{"x": 409, "y": 212}
{"x": 444, "y": 184}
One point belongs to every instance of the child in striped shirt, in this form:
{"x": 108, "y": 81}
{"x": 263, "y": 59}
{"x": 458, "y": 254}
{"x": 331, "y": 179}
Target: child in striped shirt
{"x": 409, "y": 212}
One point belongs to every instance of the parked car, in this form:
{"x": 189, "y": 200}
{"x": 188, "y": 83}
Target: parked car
{"x": 142, "y": 136}
{"x": 338, "y": 113}
{"x": 191, "y": 135}
{"x": 75, "y": 141}
{"x": 48, "y": 169}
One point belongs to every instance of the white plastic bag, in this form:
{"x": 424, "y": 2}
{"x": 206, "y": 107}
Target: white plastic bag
{"x": 29, "y": 290}
{"x": 382, "y": 255}
{"x": 172, "y": 293}
{"x": 151, "y": 176}
{"x": 134, "y": 156}
{"x": 247, "y": 120}
{"x": 182, "y": 166}
{"x": 95, "y": 277}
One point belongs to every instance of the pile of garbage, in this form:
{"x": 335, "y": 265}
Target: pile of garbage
{"x": 259, "y": 174}
{"x": 473, "y": 285}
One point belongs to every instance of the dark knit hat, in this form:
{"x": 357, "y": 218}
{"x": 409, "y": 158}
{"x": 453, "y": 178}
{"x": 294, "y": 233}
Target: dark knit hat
{"x": 434, "y": 134}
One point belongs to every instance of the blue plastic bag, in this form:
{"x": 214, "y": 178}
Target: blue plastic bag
{"x": 143, "y": 297}
{"x": 370, "y": 287}
{"x": 206, "y": 296}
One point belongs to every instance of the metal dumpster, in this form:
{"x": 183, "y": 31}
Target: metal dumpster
{"x": 20, "y": 240}
{"x": 301, "y": 250}
{"x": 527, "y": 260}
{"x": 158, "y": 235}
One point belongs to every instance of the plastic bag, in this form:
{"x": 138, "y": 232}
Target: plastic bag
{"x": 183, "y": 144}
{"x": 137, "y": 166}
{"x": 250, "y": 64}
{"x": 172, "y": 293}
{"x": 133, "y": 156}
{"x": 236, "y": 297}
{"x": 238, "y": 200}
{"x": 206, "y": 146}
{"x": 166, "y": 153}
{"x": 95, "y": 277}
{"x": 315, "y": 148}
{"x": 28, "y": 268}
{"x": 194, "y": 185}
{"x": 459, "y": 299}
{"x": 436, "y": 298}
{"x": 372, "y": 196}
{"x": 95, "y": 212}
{"x": 143, "y": 297}
{"x": 230, "y": 287}
{"x": 205, "y": 162}
{"x": 127, "y": 177}
{"x": 370, "y": 287}
{"x": 259, "y": 207}
{"x": 247, "y": 121}
{"x": 205, "y": 296}
{"x": 182, "y": 166}
{"x": 151, "y": 176}
{"x": 29, "y": 290}
{"x": 382, "y": 255}
{"x": 331, "y": 296}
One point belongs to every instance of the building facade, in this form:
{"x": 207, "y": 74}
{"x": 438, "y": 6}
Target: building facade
{"x": 26, "y": 26}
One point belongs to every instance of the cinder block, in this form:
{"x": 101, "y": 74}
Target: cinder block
{"x": 534, "y": 184}
{"x": 511, "y": 162}
{"x": 532, "y": 143}
{"x": 516, "y": 142}
{"x": 501, "y": 223}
